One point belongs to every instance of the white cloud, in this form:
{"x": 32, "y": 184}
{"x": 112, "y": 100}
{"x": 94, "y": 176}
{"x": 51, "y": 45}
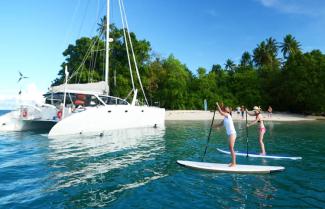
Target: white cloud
{"x": 313, "y": 8}
{"x": 30, "y": 95}
{"x": 269, "y": 3}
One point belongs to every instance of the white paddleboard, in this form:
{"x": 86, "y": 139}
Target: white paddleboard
{"x": 261, "y": 156}
{"x": 216, "y": 167}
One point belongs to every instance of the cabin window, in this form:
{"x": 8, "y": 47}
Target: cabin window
{"x": 94, "y": 101}
{"x": 121, "y": 102}
{"x": 113, "y": 101}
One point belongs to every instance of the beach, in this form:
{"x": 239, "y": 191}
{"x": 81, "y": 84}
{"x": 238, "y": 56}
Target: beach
{"x": 207, "y": 115}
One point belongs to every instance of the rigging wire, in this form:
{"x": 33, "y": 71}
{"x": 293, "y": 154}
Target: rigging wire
{"x": 126, "y": 45}
{"x": 133, "y": 54}
{"x": 68, "y": 31}
{"x": 83, "y": 17}
{"x": 84, "y": 60}
{"x": 92, "y": 64}
{"x": 96, "y": 55}
{"x": 81, "y": 67}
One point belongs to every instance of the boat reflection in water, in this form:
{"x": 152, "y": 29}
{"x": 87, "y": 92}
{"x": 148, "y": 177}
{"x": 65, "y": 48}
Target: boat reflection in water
{"x": 115, "y": 160}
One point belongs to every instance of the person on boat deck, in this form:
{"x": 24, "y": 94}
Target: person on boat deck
{"x": 262, "y": 129}
{"x": 230, "y": 129}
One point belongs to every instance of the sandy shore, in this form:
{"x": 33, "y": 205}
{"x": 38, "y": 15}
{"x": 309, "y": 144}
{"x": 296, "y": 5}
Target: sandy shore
{"x": 207, "y": 115}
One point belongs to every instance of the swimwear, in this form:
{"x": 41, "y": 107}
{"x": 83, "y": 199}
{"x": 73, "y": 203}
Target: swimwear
{"x": 229, "y": 125}
{"x": 262, "y": 127}
{"x": 262, "y": 130}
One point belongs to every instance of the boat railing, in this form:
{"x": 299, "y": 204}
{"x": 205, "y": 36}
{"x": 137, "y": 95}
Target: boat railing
{"x": 37, "y": 112}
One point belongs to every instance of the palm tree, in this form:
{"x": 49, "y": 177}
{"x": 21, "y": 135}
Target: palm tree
{"x": 272, "y": 47}
{"x": 102, "y": 28}
{"x": 230, "y": 65}
{"x": 246, "y": 60}
{"x": 216, "y": 68}
{"x": 261, "y": 55}
{"x": 266, "y": 53}
{"x": 290, "y": 46}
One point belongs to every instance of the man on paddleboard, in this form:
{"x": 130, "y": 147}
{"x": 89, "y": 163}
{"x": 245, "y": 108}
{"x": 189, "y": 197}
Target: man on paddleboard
{"x": 230, "y": 129}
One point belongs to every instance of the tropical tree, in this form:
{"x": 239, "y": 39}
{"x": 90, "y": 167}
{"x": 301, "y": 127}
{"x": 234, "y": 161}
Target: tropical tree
{"x": 265, "y": 54}
{"x": 272, "y": 47}
{"x": 230, "y": 65}
{"x": 246, "y": 60}
{"x": 246, "y": 88}
{"x": 174, "y": 84}
{"x": 85, "y": 60}
{"x": 303, "y": 87}
{"x": 290, "y": 46}
{"x": 102, "y": 28}
{"x": 82, "y": 65}
{"x": 299, "y": 85}
{"x": 216, "y": 68}
{"x": 260, "y": 55}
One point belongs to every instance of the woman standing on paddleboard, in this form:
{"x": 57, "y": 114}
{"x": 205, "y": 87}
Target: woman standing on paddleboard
{"x": 262, "y": 129}
{"x": 231, "y": 132}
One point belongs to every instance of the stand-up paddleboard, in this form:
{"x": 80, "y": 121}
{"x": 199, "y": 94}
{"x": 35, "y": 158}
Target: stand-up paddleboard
{"x": 261, "y": 156}
{"x": 224, "y": 168}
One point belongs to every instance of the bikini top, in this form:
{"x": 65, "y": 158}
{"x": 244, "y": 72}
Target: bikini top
{"x": 259, "y": 119}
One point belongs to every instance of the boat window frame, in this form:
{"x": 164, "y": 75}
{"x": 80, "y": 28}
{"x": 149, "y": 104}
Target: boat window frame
{"x": 118, "y": 101}
{"x": 49, "y": 96}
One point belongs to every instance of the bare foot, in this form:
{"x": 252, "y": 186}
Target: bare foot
{"x": 232, "y": 164}
{"x": 263, "y": 153}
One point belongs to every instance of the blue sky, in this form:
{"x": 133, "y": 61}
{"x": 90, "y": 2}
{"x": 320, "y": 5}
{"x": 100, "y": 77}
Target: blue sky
{"x": 34, "y": 33}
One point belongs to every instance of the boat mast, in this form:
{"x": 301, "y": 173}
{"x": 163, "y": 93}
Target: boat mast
{"x": 66, "y": 72}
{"x": 107, "y": 47}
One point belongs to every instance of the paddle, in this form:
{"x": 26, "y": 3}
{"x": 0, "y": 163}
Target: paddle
{"x": 246, "y": 136}
{"x": 206, "y": 147}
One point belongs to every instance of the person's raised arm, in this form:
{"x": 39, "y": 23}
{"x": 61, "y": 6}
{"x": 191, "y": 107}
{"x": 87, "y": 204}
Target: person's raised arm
{"x": 250, "y": 114}
{"x": 220, "y": 111}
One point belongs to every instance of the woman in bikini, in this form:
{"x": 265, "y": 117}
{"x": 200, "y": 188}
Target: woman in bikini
{"x": 262, "y": 129}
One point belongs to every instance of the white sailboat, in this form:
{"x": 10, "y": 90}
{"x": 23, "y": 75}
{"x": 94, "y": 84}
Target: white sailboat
{"x": 29, "y": 116}
{"x": 104, "y": 112}
{"x": 87, "y": 108}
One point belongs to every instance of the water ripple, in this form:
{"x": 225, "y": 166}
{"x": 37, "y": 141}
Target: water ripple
{"x": 137, "y": 169}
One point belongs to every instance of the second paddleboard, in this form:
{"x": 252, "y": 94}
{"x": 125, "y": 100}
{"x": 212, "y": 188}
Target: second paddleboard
{"x": 260, "y": 156}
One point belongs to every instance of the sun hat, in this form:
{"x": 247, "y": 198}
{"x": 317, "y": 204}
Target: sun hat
{"x": 257, "y": 108}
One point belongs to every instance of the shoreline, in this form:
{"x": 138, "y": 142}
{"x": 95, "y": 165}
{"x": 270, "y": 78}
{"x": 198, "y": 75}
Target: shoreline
{"x": 197, "y": 115}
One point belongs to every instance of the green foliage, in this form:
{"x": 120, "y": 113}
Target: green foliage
{"x": 296, "y": 85}
{"x": 303, "y": 88}
{"x": 290, "y": 46}
{"x": 246, "y": 60}
{"x": 174, "y": 88}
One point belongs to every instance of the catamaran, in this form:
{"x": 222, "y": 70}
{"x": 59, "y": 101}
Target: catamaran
{"x": 89, "y": 108}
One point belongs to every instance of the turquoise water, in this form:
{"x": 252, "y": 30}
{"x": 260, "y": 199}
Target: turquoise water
{"x": 137, "y": 169}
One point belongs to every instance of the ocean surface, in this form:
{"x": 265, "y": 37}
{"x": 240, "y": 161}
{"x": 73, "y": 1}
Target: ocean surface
{"x": 137, "y": 169}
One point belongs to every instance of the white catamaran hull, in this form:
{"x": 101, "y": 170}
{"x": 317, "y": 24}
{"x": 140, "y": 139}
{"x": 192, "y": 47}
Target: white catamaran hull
{"x": 13, "y": 121}
{"x": 111, "y": 117}
{"x": 29, "y": 117}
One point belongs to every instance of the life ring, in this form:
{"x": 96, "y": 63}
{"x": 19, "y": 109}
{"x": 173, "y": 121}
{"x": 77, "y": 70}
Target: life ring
{"x": 59, "y": 114}
{"x": 24, "y": 113}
